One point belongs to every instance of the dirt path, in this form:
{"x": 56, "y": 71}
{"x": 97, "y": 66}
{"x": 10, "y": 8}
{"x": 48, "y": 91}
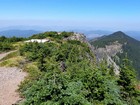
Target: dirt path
{"x": 10, "y": 78}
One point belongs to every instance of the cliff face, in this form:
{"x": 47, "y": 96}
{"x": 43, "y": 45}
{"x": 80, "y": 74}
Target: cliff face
{"x": 110, "y": 50}
{"x": 107, "y": 53}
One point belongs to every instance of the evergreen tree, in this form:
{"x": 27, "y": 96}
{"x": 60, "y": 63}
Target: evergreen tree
{"x": 126, "y": 82}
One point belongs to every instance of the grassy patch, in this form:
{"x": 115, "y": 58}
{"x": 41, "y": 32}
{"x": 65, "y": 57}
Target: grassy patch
{"x": 11, "y": 55}
{"x": 12, "y": 62}
{"x": 17, "y": 45}
{"x": 32, "y": 69}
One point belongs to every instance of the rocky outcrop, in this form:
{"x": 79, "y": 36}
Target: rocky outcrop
{"x": 77, "y": 36}
{"x": 108, "y": 52}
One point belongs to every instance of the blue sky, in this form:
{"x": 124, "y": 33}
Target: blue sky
{"x": 88, "y": 14}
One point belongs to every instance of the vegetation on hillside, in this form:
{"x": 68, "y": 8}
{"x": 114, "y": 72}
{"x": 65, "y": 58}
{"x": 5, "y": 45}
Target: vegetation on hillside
{"x": 65, "y": 72}
{"x": 6, "y": 44}
{"x": 52, "y": 34}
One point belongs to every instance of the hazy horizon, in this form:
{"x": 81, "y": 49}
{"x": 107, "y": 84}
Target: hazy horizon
{"x": 71, "y": 14}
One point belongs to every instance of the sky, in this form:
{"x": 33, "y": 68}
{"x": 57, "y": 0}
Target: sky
{"x": 81, "y": 14}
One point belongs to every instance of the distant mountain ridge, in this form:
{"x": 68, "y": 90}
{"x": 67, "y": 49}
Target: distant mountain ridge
{"x": 18, "y": 33}
{"x": 130, "y": 47}
{"x": 30, "y": 30}
{"x": 98, "y": 33}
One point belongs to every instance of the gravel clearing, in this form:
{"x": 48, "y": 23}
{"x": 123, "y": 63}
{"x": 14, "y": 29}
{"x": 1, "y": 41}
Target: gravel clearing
{"x": 10, "y": 78}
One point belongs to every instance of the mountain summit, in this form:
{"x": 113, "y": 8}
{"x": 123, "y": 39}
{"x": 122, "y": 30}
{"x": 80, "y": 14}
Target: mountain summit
{"x": 129, "y": 46}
